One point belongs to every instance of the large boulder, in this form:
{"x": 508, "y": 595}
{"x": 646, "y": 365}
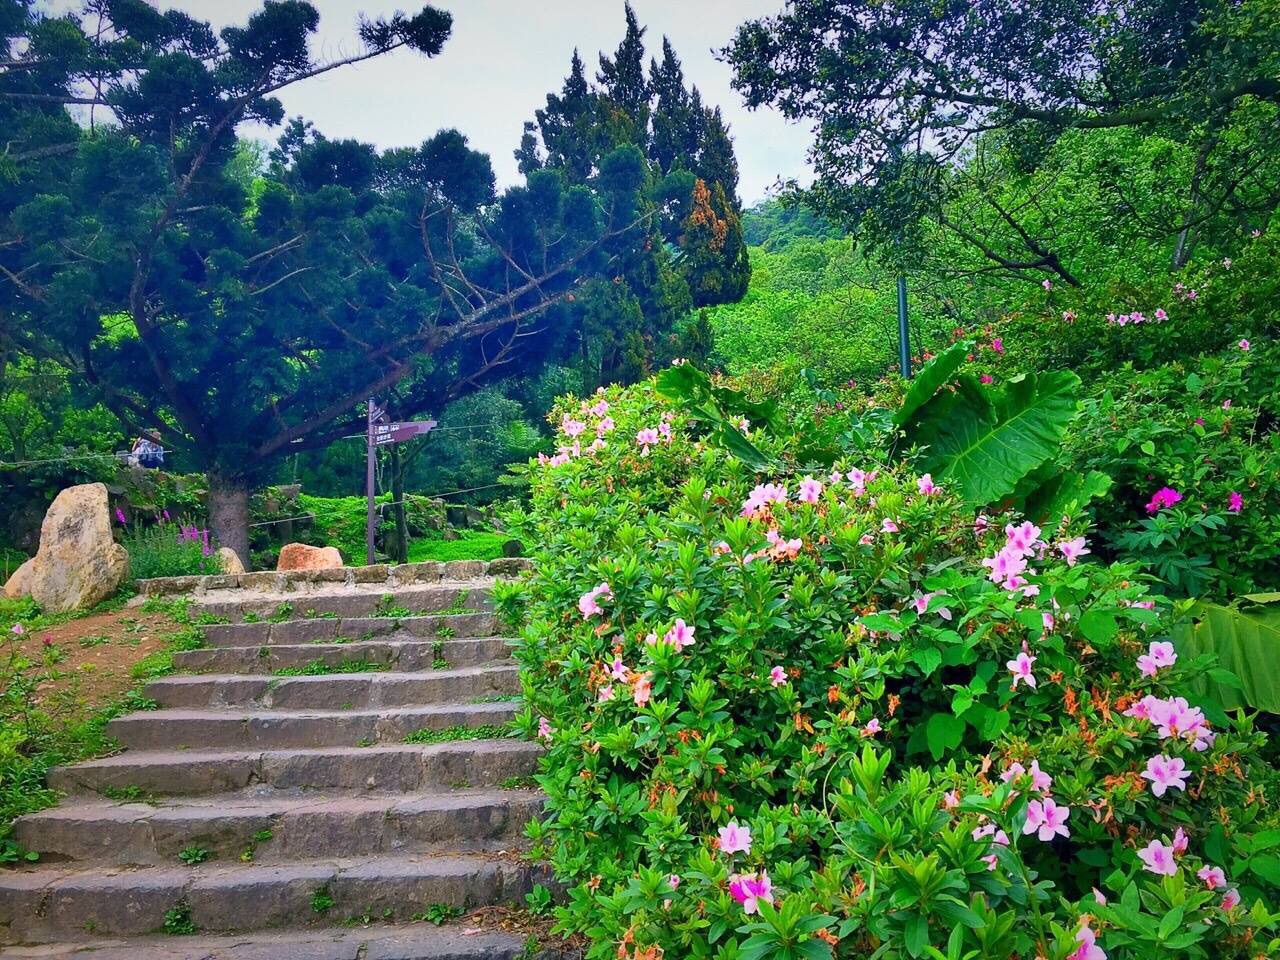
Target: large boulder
{"x": 303, "y": 556}
{"x": 78, "y": 563}
{"x": 230, "y": 560}
{"x": 19, "y": 585}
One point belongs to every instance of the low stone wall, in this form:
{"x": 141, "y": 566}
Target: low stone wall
{"x": 405, "y": 574}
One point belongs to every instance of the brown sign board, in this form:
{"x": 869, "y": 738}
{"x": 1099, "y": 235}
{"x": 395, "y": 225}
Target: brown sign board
{"x": 383, "y": 433}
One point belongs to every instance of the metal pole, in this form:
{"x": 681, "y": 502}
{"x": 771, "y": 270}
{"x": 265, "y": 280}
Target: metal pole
{"x": 369, "y": 483}
{"x": 904, "y": 342}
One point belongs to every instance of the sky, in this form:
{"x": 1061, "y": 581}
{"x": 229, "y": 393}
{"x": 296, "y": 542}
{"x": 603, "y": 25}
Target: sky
{"x": 500, "y": 62}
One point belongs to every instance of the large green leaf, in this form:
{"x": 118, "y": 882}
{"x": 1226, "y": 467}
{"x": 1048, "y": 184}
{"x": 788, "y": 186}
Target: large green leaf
{"x": 931, "y": 376}
{"x": 1063, "y": 492}
{"x": 1247, "y": 643}
{"x": 984, "y": 441}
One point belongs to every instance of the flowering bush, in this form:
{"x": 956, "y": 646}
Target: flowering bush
{"x": 834, "y": 713}
{"x": 169, "y": 549}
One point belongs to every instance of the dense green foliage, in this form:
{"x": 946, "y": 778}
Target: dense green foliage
{"x": 826, "y": 660}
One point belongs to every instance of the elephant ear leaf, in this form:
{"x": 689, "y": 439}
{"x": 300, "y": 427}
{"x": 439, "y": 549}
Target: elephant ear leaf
{"x": 1246, "y": 642}
{"x": 931, "y": 377}
{"x": 984, "y": 442}
{"x": 1063, "y": 493}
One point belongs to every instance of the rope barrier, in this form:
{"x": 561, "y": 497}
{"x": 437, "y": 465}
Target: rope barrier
{"x": 383, "y": 506}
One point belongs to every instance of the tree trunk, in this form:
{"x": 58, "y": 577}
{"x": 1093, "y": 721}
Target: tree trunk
{"x": 229, "y": 514}
{"x": 400, "y": 549}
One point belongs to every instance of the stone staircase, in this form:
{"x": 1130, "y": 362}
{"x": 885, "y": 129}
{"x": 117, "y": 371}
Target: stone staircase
{"x": 306, "y": 780}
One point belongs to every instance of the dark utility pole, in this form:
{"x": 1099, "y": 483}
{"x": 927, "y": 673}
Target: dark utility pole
{"x": 904, "y": 334}
{"x": 370, "y": 520}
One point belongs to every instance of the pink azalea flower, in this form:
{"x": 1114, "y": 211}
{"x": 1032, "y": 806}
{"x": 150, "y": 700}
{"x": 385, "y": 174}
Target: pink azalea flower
{"x": 571, "y": 427}
{"x": 1073, "y": 550}
{"x": 1244, "y": 345}
{"x": 588, "y": 603}
{"x": 888, "y": 525}
{"x": 18, "y": 630}
{"x": 1088, "y": 949}
{"x": 777, "y": 676}
{"x": 618, "y": 670}
{"x": 680, "y": 635}
{"x": 762, "y": 496}
{"x": 950, "y": 800}
{"x": 1165, "y": 772}
{"x": 1213, "y": 877}
{"x": 872, "y": 728}
{"x": 673, "y": 881}
{"x": 1161, "y": 315}
{"x": 1099, "y": 897}
{"x": 1158, "y": 859}
{"x": 1012, "y": 772}
{"x": 1235, "y": 502}
{"x": 1163, "y": 654}
{"x": 601, "y": 408}
{"x": 604, "y": 426}
{"x": 1022, "y": 538}
{"x": 1039, "y": 779}
{"x": 605, "y": 694}
{"x": 1164, "y": 497}
{"x": 1180, "y": 842}
{"x": 735, "y": 839}
{"x": 1046, "y": 819}
{"x": 921, "y": 605}
{"x": 1226, "y": 404}
{"x": 641, "y": 691}
{"x": 750, "y": 889}
{"x": 1047, "y": 284}
{"x": 1231, "y": 900}
{"x": 926, "y": 485}
{"x": 810, "y": 490}
{"x": 1020, "y": 667}
{"x": 997, "y": 345}
{"x": 544, "y": 729}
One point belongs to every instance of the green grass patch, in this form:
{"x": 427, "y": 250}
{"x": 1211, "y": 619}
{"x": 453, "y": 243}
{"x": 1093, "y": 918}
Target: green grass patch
{"x": 318, "y": 668}
{"x": 486, "y": 731}
{"x": 472, "y": 546}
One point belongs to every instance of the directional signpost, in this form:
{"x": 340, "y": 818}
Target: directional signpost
{"x": 380, "y": 433}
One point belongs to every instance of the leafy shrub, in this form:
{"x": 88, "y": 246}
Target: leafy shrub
{"x": 842, "y": 715}
{"x": 170, "y": 550}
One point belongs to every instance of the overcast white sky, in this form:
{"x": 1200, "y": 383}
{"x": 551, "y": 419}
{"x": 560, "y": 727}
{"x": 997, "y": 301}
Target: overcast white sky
{"x": 500, "y": 62}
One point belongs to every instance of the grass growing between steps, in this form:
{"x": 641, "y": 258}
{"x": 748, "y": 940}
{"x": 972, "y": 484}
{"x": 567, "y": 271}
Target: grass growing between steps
{"x": 487, "y": 731}
{"x": 318, "y": 668}
{"x": 62, "y": 678}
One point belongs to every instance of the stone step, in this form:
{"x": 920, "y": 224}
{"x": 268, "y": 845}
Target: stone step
{"x": 341, "y": 602}
{"x": 418, "y": 941}
{"x": 279, "y": 826}
{"x": 331, "y": 629}
{"x": 52, "y": 903}
{"x": 265, "y": 729}
{"x": 382, "y": 767}
{"x": 397, "y": 653}
{"x": 345, "y": 690}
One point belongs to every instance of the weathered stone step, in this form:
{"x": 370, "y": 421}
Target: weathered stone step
{"x": 278, "y": 827}
{"x": 169, "y": 729}
{"x": 407, "y": 654}
{"x": 419, "y": 941}
{"x": 382, "y": 767}
{"x": 52, "y": 903}
{"x": 345, "y": 690}
{"x": 330, "y": 629}
{"x": 349, "y": 602}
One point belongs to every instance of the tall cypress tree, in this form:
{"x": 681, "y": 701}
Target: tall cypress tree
{"x": 568, "y": 125}
{"x": 674, "y": 125}
{"x": 624, "y": 90}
